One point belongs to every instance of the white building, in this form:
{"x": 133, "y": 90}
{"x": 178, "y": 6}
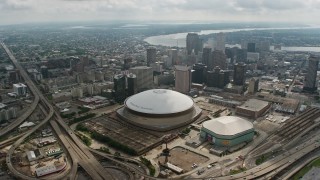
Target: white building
{"x": 144, "y": 77}
{"x": 182, "y": 79}
{"x": 20, "y": 89}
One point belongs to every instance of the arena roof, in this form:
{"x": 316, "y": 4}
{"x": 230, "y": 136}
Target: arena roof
{"x": 159, "y": 101}
{"x": 228, "y": 125}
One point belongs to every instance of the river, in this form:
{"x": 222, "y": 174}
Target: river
{"x": 179, "y": 39}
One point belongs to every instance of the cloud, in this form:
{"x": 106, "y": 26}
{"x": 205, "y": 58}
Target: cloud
{"x": 16, "y": 11}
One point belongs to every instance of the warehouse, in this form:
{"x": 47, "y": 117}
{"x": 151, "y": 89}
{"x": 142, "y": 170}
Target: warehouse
{"x": 227, "y": 131}
{"x": 253, "y": 108}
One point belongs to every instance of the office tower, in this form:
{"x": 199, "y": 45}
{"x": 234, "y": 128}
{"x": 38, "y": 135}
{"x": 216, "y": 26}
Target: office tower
{"x": 131, "y": 82}
{"x": 126, "y": 63}
{"x": 20, "y": 89}
{"x": 253, "y": 85}
{"x": 206, "y": 56}
{"x": 173, "y": 57}
{"x": 264, "y": 46}
{"x": 144, "y": 77}
{"x": 217, "y": 78}
{"x": 220, "y": 42}
{"x": 311, "y": 76}
{"x": 244, "y": 44}
{"x": 182, "y": 79}
{"x": 218, "y": 59}
{"x": 44, "y": 71}
{"x": 241, "y": 55}
{"x": 119, "y": 87}
{"x": 251, "y": 47}
{"x": 199, "y": 73}
{"x": 193, "y": 43}
{"x": 239, "y": 74}
{"x": 231, "y": 53}
{"x": 14, "y": 76}
{"x": 151, "y": 55}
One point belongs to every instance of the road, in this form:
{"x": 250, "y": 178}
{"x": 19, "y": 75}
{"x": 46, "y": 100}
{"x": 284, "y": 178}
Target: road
{"x": 70, "y": 141}
{"x": 34, "y": 104}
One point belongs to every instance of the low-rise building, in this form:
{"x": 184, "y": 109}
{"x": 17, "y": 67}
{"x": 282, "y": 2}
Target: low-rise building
{"x": 253, "y": 108}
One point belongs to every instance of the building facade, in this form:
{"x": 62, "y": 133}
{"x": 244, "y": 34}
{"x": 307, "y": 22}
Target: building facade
{"x": 311, "y": 76}
{"x": 183, "y": 78}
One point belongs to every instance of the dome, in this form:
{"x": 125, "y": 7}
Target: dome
{"x": 159, "y": 102}
{"x": 228, "y": 125}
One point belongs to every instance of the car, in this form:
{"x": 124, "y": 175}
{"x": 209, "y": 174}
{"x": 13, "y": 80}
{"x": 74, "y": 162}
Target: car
{"x": 209, "y": 166}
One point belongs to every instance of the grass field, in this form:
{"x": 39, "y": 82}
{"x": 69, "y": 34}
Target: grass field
{"x": 306, "y": 169}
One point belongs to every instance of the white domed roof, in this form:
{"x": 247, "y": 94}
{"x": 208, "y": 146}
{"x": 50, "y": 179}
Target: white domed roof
{"x": 159, "y": 101}
{"x": 228, "y": 125}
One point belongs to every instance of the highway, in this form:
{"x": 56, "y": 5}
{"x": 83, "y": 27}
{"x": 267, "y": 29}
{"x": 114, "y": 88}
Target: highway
{"x": 73, "y": 145}
{"x": 34, "y": 104}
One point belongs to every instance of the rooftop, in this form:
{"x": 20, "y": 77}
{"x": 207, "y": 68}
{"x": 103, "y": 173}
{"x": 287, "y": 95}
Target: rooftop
{"x": 254, "y": 105}
{"x": 228, "y": 125}
{"x": 159, "y": 101}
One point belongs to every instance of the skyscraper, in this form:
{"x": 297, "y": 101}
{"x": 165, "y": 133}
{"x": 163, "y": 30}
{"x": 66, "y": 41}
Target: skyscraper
{"x": 151, "y": 55}
{"x": 251, "y": 47}
{"x": 182, "y": 79}
{"x": 131, "y": 80}
{"x": 193, "y": 43}
{"x": 199, "y": 73}
{"x": 144, "y": 77}
{"x": 311, "y": 76}
{"x": 239, "y": 74}
{"x": 206, "y": 56}
{"x": 218, "y": 59}
{"x": 173, "y": 57}
{"x": 119, "y": 87}
{"x": 220, "y": 42}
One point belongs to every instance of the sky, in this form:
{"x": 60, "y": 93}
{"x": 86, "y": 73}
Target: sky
{"x": 31, "y": 11}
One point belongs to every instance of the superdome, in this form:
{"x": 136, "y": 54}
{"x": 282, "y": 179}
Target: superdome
{"x": 159, "y": 110}
{"x": 159, "y": 102}
{"x": 228, "y": 125}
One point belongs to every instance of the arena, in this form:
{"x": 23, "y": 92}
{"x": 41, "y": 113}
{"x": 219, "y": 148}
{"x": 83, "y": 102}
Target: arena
{"x": 227, "y": 131}
{"x": 159, "y": 109}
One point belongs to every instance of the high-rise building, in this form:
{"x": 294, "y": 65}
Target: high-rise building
{"x": 218, "y": 59}
{"x": 239, "y": 74}
{"x": 253, "y": 85}
{"x": 144, "y": 77}
{"x": 220, "y": 42}
{"x": 241, "y": 55}
{"x": 173, "y": 57}
{"x": 251, "y": 47}
{"x": 217, "y": 78}
{"x": 182, "y": 79}
{"x": 193, "y": 43}
{"x": 131, "y": 81}
{"x": 206, "y": 56}
{"x": 199, "y": 73}
{"x": 311, "y": 76}
{"x": 264, "y": 45}
{"x": 119, "y": 87}
{"x": 14, "y": 76}
{"x": 20, "y": 89}
{"x": 151, "y": 55}
{"x": 44, "y": 72}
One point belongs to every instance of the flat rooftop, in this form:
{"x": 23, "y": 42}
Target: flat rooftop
{"x": 254, "y": 105}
